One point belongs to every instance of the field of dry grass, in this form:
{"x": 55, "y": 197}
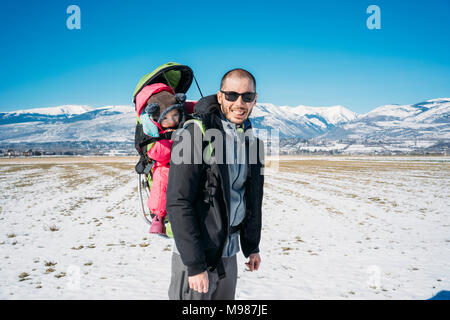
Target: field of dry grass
{"x": 66, "y": 160}
{"x": 316, "y": 166}
{"x": 326, "y": 220}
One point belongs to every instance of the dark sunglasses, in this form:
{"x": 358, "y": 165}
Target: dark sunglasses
{"x": 233, "y": 96}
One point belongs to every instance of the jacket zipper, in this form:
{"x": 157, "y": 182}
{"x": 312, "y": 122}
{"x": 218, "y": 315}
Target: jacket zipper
{"x": 232, "y": 185}
{"x": 228, "y": 209}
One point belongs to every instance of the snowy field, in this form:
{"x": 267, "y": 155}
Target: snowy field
{"x": 333, "y": 228}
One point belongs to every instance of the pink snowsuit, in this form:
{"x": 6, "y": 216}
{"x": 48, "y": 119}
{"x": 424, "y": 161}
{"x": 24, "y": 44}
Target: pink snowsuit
{"x": 160, "y": 152}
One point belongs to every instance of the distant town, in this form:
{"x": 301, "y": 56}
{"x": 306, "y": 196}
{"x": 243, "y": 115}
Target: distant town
{"x": 67, "y": 149}
{"x": 291, "y": 146}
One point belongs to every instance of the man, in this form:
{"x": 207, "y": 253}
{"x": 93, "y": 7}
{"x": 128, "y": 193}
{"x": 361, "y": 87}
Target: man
{"x": 212, "y": 204}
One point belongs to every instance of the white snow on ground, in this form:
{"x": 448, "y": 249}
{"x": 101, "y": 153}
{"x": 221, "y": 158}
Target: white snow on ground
{"x": 338, "y": 228}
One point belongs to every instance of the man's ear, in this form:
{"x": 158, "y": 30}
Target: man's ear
{"x": 219, "y": 97}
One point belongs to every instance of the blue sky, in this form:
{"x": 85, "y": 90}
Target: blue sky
{"x": 316, "y": 53}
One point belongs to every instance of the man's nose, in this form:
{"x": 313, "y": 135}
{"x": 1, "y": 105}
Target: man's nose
{"x": 240, "y": 102}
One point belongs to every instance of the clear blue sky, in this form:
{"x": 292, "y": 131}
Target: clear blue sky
{"x": 315, "y": 53}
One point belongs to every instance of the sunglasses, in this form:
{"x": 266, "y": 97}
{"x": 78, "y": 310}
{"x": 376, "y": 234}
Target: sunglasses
{"x": 233, "y": 96}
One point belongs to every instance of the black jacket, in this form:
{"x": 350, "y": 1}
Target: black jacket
{"x": 198, "y": 199}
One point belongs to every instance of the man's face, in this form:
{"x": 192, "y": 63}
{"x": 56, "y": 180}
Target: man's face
{"x": 236, "y": 111}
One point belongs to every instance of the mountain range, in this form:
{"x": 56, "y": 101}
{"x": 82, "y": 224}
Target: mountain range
{"x": 421, "y": 121}
{"x": 425, "y": 120}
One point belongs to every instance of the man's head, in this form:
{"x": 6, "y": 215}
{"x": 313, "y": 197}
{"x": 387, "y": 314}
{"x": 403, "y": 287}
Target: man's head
{"x": 238, "y": 85}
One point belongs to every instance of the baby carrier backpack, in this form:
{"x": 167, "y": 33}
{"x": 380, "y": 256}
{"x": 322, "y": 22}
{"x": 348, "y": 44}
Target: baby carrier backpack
{"x": 179, "y": 78}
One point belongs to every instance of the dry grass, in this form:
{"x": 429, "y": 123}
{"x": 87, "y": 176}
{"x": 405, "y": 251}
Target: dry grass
{"x": 358, "y": 166}
{"x": 73, "y": 176}
{"x": 22, "y": 183}
{"x": 68, "y": 160}
{"x": 14, "y": 168}
{"x": 112, "y": 169}
{"x": 355, "y": 181}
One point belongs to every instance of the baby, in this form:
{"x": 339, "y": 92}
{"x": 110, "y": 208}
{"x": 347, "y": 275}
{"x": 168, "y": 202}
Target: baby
{"x": 165, "y": 111}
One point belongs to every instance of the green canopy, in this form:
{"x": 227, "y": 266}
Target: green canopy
{"x": 175, "y": 75}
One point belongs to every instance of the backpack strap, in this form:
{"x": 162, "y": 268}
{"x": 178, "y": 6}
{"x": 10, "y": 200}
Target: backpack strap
{"x": 219, "y": 266}
{"x": 221, "y": 269}
{"x": 205, "y": 164}
{"x": 234, "y": 229}
{"x": 200, "y": 124}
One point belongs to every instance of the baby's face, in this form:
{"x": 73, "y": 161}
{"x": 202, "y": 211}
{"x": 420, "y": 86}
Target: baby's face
{"x": 171, "y": 119}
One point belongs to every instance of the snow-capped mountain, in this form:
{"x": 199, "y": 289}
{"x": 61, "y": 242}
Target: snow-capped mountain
{"x": 67, "y": 110}
{"x": 425, "y": 120}
{"x": 77, "y": 123}
{"x": 43, "y": 114}
{"x": 300, "y": 121}
{"x": 117, "y": 123}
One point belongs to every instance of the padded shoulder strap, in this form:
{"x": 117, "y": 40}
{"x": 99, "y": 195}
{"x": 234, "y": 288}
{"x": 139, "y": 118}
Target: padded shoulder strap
{"x": 197, "y": 122}
{"x": 200, "y": 124}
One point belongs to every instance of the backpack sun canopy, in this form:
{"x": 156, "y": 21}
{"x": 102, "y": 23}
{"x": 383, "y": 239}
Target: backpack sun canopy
{"x": 178, "y": 77}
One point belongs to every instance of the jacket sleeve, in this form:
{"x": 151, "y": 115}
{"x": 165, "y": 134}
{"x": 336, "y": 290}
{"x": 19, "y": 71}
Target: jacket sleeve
{"x": 182, "y": 189}
{"x": 160, "y": 152}
{"x": 251, "y": 228}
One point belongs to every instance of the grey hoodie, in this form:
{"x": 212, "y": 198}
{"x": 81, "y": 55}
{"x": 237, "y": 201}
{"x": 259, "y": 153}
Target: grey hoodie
{"x": 237, "y": 169}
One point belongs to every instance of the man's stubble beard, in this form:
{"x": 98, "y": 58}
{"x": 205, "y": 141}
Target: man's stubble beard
{"x": 229, "y": 111}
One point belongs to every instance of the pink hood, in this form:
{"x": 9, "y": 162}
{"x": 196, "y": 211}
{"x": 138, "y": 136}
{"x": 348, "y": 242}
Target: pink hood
{"x": 147, "y": 92}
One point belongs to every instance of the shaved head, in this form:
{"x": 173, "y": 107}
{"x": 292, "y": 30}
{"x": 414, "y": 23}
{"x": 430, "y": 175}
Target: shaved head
{"x": 237, "y": 83}
{"x": 238, "y": 73}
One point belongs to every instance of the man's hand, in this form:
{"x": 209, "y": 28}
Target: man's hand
{"x": 253, "y": 262}
{"x": 199, "y": 282}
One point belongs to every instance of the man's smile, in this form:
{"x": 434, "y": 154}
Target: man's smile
{"x": 239, "y": 112}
